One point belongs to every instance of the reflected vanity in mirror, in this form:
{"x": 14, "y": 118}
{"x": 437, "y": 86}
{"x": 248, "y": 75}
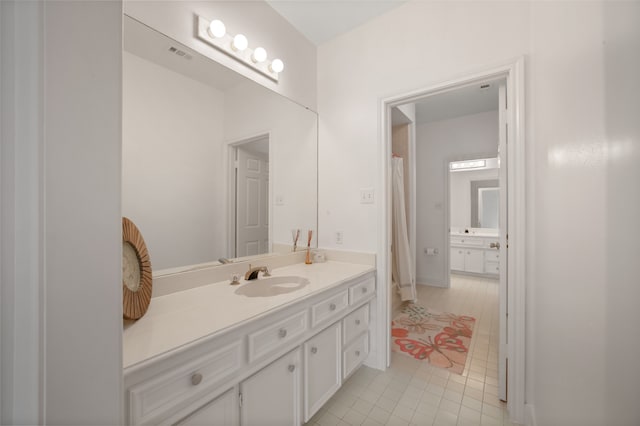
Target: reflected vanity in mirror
{"x": 215, "y": 166}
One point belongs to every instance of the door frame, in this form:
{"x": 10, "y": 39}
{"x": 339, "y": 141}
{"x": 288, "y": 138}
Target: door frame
{"x": 514, "y": 73}
{"x": 232, "y": 148}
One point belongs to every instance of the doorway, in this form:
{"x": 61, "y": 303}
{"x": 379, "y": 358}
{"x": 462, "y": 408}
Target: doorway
{"x": 249, "y": 197}
{"x": 512, "y": 301}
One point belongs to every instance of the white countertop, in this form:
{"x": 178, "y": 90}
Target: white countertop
{"x": 180, "y": 318}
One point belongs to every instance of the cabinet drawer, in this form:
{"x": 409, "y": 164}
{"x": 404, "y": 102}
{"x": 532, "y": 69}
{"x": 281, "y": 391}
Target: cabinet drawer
{"x": 154, "y": 399}
{"x": 274, "y": 336}
{"x": 492, "y": 268}
{"x": 355, "y": 323}
{"x": 329, "y": 308}
{"x": 362, "y": 290}
{"x": 466, "y": 241}
{"x": 354, "y": 355}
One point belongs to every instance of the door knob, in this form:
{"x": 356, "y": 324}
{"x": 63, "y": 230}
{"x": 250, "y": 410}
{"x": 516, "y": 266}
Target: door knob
{"x": 495, "y": 245}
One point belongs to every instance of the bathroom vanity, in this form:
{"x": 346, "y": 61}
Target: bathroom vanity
{"x": 219, "y": 354}
{"x": 475, "y": 254}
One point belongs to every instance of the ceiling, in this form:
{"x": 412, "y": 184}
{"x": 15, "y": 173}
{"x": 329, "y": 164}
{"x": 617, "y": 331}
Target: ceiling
{"x": 471, "y": 99}
{"x": 322, "y": 20}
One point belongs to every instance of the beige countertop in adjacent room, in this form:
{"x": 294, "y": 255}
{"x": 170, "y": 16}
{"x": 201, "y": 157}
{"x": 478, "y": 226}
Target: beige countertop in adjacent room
{"x": 180, "y": 318}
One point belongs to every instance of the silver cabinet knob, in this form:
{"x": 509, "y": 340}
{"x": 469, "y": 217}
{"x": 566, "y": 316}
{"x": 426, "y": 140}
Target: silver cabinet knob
{"x": 314, "y": 350}
{"x": 196, "y": 379}
{"x": 495, "y": 245}
{"x": 357, "y": 322}
{"x": 332, "y": 307}
{"x": 364, "y": 290}
{"x": 460, "y": 252}
{"x": 357, "y": 353}
{"x": 468, "y": 252}
{"x": 292, "y": 368}
{"x": 282, "y": 333}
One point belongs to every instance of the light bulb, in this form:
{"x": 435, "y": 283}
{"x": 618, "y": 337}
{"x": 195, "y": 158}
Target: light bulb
{"x": 217, "y": 29}
{"x": 276, "y": 66}
{"x": 259, "y": 55}
{"x": 240, "y": 43}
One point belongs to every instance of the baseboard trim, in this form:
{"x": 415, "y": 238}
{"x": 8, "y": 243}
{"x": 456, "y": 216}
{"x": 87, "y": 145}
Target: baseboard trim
{"x": 530, "y": 415}
{"x": 429, "y": 281}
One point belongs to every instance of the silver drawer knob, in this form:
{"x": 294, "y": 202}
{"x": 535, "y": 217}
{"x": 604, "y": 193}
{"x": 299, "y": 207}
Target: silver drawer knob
{"x": 332, "y": 307}
{"x": 357, "y": 353}
{"x": 357, "y": 322}
{"x": 364, "y": 290}
{"x": 314, "y": 350}
{"x": 196, "y": 379}
{"x": 292, "y": 368}
{"x": 282, "y": 333}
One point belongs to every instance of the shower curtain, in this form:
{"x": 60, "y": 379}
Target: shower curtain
{"x": 401, "y": 270}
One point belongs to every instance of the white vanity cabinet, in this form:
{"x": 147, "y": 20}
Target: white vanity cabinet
{"x": 271, "y": 397}
{"x": 322, "y": 369}
{"x": 474, "y": 254}
{"x": 278, "y": 367}
{"x": 221, "y": 411}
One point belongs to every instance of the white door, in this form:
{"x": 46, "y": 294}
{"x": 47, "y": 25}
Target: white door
{"x": 252, "y": 203}
{"x": 221, "y": 411}
{"x": 271, "y": 397}
{"x": 322, "y": 356}
{"x": 503, "y": 244}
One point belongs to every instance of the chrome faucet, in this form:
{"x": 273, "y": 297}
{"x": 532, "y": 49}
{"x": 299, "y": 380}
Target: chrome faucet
{"x": 252, "y": 273}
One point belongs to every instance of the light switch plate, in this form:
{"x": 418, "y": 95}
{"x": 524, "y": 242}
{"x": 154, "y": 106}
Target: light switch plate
{"x": 366, "y": 196}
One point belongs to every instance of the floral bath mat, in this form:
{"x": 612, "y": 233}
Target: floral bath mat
{"x": 440, "y": 338}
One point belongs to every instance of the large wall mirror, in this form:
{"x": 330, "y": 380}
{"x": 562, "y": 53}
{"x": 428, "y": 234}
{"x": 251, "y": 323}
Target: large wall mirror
{"x": 215, "y": 166}
{"x": 474, "y": 195}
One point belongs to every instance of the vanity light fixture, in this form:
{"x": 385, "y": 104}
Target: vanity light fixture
{"x": 217, "y": 29}
{"x": 463, "y": 165}
{"x": 259, "y": 55}
{"x": 276, "y": 66}
{"x": 215, "y": 34}
{"x": 239, "y": 43}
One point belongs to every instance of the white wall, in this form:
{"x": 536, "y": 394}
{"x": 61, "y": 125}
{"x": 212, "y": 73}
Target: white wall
{"x": 82, "y": 113}
{"x": 582, "y": 194}
{"x": 438, "y": 143}
{"x": 173, "y": 164}
{"x": 256, "y": 20}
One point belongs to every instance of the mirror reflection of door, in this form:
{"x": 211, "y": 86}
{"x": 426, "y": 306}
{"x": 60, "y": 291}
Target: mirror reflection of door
{"x": 252, "y": 198}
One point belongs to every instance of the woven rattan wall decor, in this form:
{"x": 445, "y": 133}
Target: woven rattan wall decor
{"x": 136, "y": 272}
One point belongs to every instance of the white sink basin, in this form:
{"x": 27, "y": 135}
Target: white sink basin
{"x": 272, "y": 286}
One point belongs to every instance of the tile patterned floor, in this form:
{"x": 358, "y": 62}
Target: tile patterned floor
{"x": 412, "y": 392}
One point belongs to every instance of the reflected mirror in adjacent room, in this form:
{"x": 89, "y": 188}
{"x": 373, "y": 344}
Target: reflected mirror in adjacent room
{"x": 474, "y": 194}
{"x": 485, "y": 203}
{"x": 184, "y": 118}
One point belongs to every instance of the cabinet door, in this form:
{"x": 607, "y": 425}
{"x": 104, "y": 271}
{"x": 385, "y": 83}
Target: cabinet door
{"x": 457, "y": 258}
{"x": 474, "y": 260}
{"x": 322, "y": 373}
{"x": 221, "y": 411}
{"x": 272, "y": 395}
